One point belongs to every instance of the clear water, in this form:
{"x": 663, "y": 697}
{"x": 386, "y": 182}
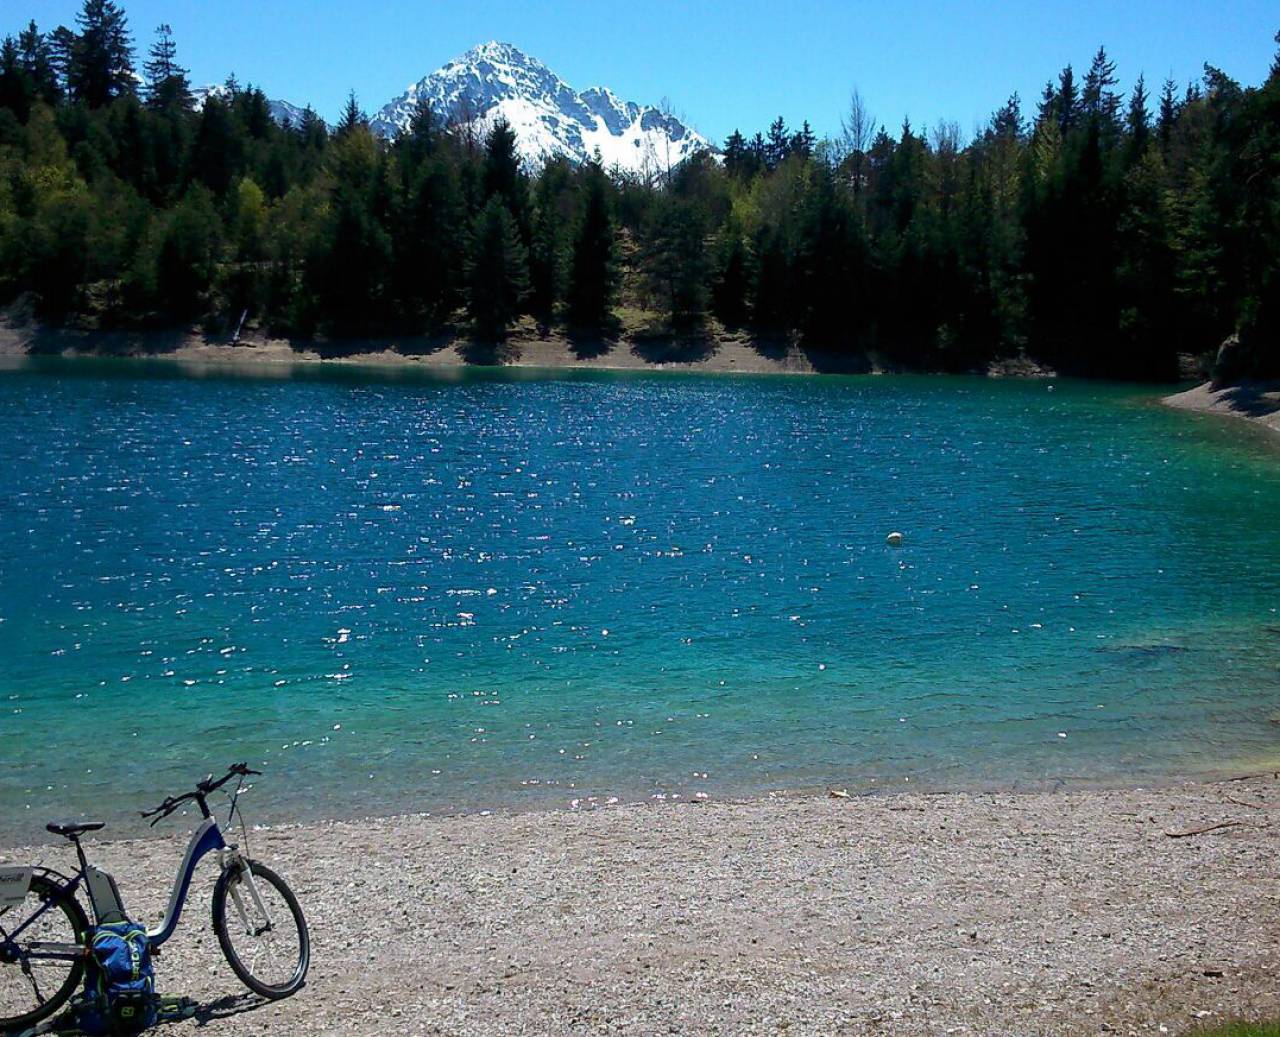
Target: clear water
{"x": 511, "y": 589}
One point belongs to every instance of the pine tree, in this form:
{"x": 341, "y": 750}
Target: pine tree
{"x": 771, "y": 297}
{"x": 592, "y": 271}
{"x": 16, "y": 88}
{"x": 503, "y": 175}
{"x": 497, "y": 271}
{"x": 351, "y": 273}
{"x": 548, "y": 246}
{"x": 38, "y": 64}
{"x": 167, "y": 83}
{"x": 1066, "y": 101}
{"x": 312, "y": 130}
{"x": 737, "y": 158}
{"x": 189, "y": 250}
{"x": 1098, "y": 99}
{"x": 1138, "y": 121}
{"x": 676, "y": 263}
{"x": 100, "y": 58}
{"x": 421, "y": 135}
{"x": 732, "y": 275}
{"x": 1168, "y": 114}
{"x": 803, "y": 142}
{"x": 217, "y": 155}
{"x": 353, "y": 117}
{"x": 778, "y": 146}
{"x": 429, "y": 242}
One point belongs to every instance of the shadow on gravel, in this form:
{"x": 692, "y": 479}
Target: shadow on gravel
{"x": 226, "y": 1007}
{"x": 172, "y": 1010}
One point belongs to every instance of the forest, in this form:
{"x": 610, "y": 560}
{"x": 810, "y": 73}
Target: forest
{"x": 1101, "y": 234}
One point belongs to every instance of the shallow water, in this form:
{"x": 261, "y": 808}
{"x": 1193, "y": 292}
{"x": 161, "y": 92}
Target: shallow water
{"x": 509, "y": 589}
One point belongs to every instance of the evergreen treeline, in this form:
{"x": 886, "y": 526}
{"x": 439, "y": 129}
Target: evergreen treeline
{"x": 1100, "y": 233}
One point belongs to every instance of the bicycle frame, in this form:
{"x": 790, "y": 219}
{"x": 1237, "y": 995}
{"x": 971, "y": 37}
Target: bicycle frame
{"x": 206, "y": 839}
{"x": 43, "y": 949}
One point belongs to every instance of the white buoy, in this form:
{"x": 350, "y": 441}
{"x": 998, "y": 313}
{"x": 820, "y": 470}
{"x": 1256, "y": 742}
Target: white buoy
{"x": 893, "y": 539}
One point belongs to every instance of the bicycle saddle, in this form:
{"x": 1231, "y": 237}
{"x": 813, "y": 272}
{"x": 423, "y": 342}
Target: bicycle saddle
{"x": 73, "y": 828}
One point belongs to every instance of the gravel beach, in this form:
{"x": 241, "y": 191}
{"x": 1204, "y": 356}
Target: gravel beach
{"x": 964, "y": 913}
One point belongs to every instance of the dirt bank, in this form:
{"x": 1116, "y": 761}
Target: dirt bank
{"x": 1258, "y": 402}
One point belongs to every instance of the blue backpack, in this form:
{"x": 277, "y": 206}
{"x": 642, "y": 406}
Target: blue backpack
{"x": 120, "y": 984}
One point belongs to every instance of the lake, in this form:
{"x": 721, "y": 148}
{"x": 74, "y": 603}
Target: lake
{"x": 510, "y": 589}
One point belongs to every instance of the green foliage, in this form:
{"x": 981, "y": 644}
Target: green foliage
{"x": 98, "y": 61}
{"x": 553, "y": 217}
{"x": 179, "y": 260}
{"x": 497, "y": 270}
{"x": 593, "y": 275}
{"x": 1105, "y": 235}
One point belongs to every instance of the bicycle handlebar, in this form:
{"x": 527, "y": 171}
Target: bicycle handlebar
{"x": 203, "y": 788}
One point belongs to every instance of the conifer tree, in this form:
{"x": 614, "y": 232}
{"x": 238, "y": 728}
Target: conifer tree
{"x": 503, "y": 175}
{"x": 38, "y": 63}
{"x": 778, "y": 146}
{"x": 676, "y": 262}
{"x": 1168, "y": 114}
{"x": 1066, "y": 101}
{"x": 430, "y": 241}
{"x": 1099, "y": 99}
{"x": 497, "y": 270}
{"x": 732, "y": 275}
{"x": 353, "y": 117}
{"x": 737, "y": 157}
{"x": 803, "y": 142}
{"x": 592, "y": 271}
{"x": 99, "y": 59}
{"x": 16, "y": 88}
{"x": 167, "y": 83}
{"x": 1138, "y": 121}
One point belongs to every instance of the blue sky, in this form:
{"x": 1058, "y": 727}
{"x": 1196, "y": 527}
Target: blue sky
{"x": 721, "y": 65}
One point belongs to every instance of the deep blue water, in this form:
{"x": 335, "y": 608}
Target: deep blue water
{"x": 507, "y": 589}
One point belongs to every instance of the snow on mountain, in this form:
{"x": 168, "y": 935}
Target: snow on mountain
{"x": 281, "y": 111}
{"x": 496, "y": 80}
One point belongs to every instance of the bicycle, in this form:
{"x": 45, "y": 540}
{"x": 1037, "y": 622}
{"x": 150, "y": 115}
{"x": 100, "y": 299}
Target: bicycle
{"x": 45, "y": 932}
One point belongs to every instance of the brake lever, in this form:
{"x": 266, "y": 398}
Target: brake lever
{"x": 162, "y": 811}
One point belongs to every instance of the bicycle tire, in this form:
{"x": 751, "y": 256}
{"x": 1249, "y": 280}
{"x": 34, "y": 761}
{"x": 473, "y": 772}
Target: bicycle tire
{"x": 244, "y": 973}
{"x": 46, "y": 889}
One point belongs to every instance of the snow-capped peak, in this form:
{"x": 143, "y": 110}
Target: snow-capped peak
{"x": 497, "y": 80}
{"x": 282, "y": 112}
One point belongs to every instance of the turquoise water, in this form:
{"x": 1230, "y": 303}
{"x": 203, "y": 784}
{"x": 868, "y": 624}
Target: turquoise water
{"x": 511, "y": 589}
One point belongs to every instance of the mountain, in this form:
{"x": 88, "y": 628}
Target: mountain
{"x": 496, "y": 80}
{"x": 281, "y": 111}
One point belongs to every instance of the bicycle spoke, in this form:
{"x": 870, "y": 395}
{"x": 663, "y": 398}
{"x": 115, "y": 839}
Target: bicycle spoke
{"x": 262, "y": 934}
{"x": 43, "y": 938}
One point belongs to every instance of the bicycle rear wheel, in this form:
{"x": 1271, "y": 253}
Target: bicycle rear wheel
{"x": 261, "y": 929}
{"x": 42, "y": 943}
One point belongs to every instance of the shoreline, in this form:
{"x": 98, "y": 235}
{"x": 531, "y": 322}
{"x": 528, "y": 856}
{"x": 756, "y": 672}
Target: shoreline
{"x": 1255, "y": 402}
{"x": 529, "y": 346}
{"x": 916, "y": 913}
{"x": 568, "y": 801}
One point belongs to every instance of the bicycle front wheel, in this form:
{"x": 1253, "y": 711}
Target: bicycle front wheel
{"x": 261, "y": 929}
{"x": 42, "y": 944}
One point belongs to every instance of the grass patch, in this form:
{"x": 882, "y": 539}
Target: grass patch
{"x": 1241, "y": 1030}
